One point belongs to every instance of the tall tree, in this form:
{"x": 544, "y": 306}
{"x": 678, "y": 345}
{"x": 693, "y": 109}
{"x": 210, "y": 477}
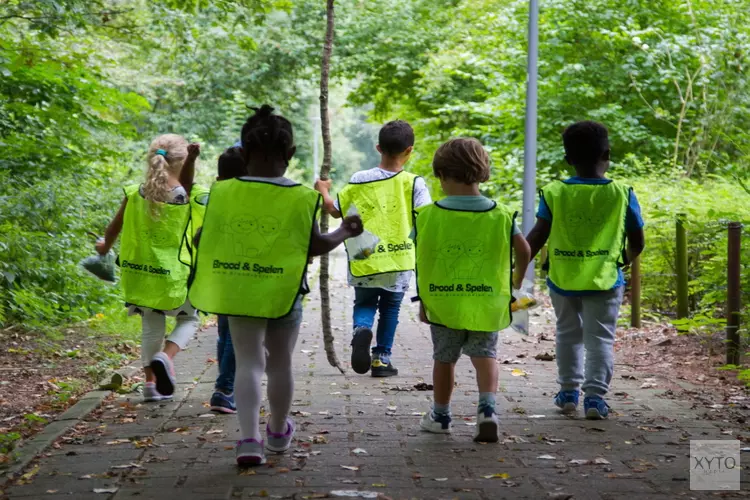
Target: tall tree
{"x": 325, "y": 169}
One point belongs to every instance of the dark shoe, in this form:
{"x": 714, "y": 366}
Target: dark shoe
{"x": 361, "y": 350}
{"x": 223, "y": 403}
{"x": 381, "y": 369}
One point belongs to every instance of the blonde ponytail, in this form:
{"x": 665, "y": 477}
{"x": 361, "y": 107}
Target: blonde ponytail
{"x": 166, "y": 155}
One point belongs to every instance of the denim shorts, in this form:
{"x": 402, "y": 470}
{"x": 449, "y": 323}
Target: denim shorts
{"x": 448, "y": 344}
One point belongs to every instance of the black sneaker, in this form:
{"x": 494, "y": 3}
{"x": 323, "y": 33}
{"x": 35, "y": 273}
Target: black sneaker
{"x": 381, "y": 369}
{"x": 361, "y": 350}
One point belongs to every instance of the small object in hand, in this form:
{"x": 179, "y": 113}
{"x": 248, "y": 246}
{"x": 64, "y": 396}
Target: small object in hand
{"x": 101, "y": 266}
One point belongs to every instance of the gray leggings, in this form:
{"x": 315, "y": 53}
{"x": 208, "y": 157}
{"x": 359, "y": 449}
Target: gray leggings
{"x": 586, "y": 324}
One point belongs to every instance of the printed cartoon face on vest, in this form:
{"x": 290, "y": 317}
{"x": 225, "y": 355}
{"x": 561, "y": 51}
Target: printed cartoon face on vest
{"x": 158, "y": 236}
{"x": 389, "y": 205}
{"x": 243, "y": 224}
{"x": 268, "y": 226}
{"x": 469, "y": 264}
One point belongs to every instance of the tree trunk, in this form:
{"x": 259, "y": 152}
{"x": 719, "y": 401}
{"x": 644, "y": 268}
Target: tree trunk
{"x": 325, "y": 169}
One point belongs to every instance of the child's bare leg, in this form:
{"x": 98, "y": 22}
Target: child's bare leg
{"x": 171, "y": 349}
{"x": 442, "y": 380}
{"x": 487, "y": 374}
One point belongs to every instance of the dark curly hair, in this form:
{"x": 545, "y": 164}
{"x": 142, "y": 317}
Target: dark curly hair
{"x": 268, "y": 133}
{"x": 585, "y": 144}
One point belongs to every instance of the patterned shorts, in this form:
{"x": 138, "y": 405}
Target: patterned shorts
{"x": 448, "y": 344}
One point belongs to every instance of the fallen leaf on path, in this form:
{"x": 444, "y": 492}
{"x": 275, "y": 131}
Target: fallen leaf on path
{"x": 615, "y": 476}
{"x": 545, "y": 356}
{"x": 319, "y": 440}
{"x": 215, "y": 431}
{"x": 441, "y": 479}
{"x": 282, "y": 470}
{"x": 247, "y": 472}
{"x": 378, "y": 485}
{"x": 471, "y": 424}
{"x": 648, "y": 385}
{"x": 128, "y": 466}
{"x": 105, "y": 490}
{"x": 559, "y": 496}
{"x": 359, "y": 451}
{"x": 517, "y": 372}
{"x": 354, "y": 494}
{"x": 350, "y": 481}
{"x": 422, "y": 386}
{"x": 553, "y": 440}
{"x": 536, "y": 416}
{"x": 579, "y": 461}
{"x": 118, "y": 441}
{"x": 601, "y": 461}
{"x": 350, "y": 467}
{"x": 546, "y": 457}
{"x": 500, "y": 475}
{"x": 207, "y": 415}
{"x": 52, "y": 492}
{"x": 26, "y": 478}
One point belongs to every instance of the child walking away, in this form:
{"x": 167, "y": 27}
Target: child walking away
{"x": 586, "y": 219}
{"x": 231, "y": 165}
{"x": 259, "y": 279}
{"x": 152, "y": 218}
{"x": 464, "y": 279}
{"x": 385, "y": 197}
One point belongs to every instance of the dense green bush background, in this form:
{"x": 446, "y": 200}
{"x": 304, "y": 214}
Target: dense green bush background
{"x": 86, "y": 85}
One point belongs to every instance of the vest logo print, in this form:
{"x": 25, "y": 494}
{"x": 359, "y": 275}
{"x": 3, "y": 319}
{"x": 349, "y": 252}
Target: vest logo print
{"x": 462, "y": 263}
{"x": 254, "y": 237}
{"x": 144, "y": 268}
{"x": 247, "y": 267}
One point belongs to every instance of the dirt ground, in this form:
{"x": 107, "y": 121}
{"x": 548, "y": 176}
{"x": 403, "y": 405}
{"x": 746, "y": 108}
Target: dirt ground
{"x": 41, "y": 377}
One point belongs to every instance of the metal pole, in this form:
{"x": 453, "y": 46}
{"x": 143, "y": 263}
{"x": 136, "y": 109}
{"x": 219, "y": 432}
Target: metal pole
{"x": 315, "y": 126}
{"x": 635, "y": 293}
{"x": 529, "y": 162}
{"x": 681, "y": 265}
{"x": 733, "y": 293}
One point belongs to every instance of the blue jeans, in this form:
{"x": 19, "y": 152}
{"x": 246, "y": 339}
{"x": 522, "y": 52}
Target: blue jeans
{"x": 368, "y": 301}
{"x": 225, "y": 357}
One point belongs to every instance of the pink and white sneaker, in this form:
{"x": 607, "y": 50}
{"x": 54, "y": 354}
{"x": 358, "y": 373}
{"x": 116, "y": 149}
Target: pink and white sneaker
{"x": 164, "y": 371}
{"x": 150, "y": 394}
{"x": 250, "y": 452}
{"x": 279, "y": 442}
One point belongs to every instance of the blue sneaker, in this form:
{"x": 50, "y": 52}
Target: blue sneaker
{"x": 567, "y": 401}
{"x": 223, "y": 403}
{"x": 595, "y": 407}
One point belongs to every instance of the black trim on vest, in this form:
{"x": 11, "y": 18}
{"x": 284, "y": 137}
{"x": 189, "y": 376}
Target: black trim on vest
{"x": 378, "y": 180}
{"x": 493, "y": 207}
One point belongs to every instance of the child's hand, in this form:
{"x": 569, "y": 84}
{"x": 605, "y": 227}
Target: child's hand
{"x": 352, "y": 226}
{"x": 101, "y": 247}
{"x": 422, "y": 314}
{"x": 517, "y": 281}
{"x": 323, "y": 186}
{"x": 194, "y": 151}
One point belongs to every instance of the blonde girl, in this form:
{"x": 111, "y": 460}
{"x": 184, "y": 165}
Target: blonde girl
{"x": 152, "y": 219}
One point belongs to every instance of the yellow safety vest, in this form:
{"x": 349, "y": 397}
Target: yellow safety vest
{"x": 151, "y": 272}
{"x": 464, "y": 266}
{"x": 588, "y": 233}
{"x": 254, "y": 248}
{"x": 386, "y": 207}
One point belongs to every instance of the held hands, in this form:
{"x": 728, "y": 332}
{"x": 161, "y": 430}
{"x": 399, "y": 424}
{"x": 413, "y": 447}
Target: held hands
{"x": 194, "y": 150}
{"x": 423, "y": 315}
{"x": 352, "y": 226}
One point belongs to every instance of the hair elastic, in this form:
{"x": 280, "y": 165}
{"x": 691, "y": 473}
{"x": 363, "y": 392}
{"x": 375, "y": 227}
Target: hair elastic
{"x": 161, "y": 152}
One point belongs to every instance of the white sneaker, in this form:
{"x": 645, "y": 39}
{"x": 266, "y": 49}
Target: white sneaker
{"x": 440, "y": 424}
{"x": 150, "y": 394}
{"x": 164, "y": 371}
{"x": 487, "y": 428}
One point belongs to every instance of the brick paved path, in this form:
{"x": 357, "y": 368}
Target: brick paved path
{"x": 360, "y": 433}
